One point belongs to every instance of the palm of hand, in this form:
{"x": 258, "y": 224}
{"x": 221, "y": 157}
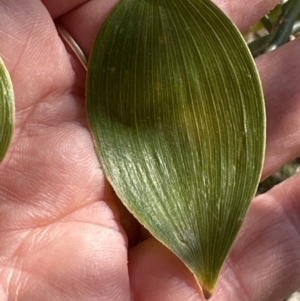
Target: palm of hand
{"x": 60, "y": 231}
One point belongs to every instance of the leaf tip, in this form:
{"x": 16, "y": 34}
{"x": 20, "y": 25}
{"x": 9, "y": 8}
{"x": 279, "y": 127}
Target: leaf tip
{"x": 207, "y": 287}
{"x": 207, "y": 293}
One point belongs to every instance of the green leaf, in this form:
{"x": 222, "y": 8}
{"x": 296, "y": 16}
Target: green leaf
{"x": 177, "y": 114}
{"x": 6, "y": 110}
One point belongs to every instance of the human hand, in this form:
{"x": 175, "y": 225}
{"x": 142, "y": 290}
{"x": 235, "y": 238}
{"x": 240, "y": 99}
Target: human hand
{"x": 63, "y": 233}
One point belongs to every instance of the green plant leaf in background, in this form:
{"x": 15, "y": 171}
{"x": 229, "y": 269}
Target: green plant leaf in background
{"x": 6, "y": 110}
{"x": 177, "y": 114}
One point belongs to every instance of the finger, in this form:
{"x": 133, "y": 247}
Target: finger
{"x": 243, "y": 13}
{"x": 83, "y": 23}
{"x": 264, "y": 263}
{"x": 59, "y": 8}
{"x": 280, "y": 75}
